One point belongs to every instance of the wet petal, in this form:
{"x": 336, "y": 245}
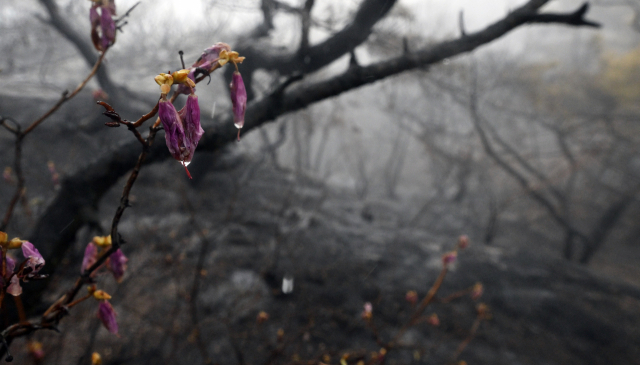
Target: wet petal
{"x": 118, "y": 264}
{"x": 107, "y": 315}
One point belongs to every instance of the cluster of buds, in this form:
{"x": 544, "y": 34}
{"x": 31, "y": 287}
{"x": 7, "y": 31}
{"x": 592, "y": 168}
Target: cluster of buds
{"x": 27, "y": 270}
{"x": 116, "y": 263}
{"x": 106, "y": 313}
{"x": 103, "y": 27}
{"x": 182, "y": 128}
{"x": 450, "y": 257}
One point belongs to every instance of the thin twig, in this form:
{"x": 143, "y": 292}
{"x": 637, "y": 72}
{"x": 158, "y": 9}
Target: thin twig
{"x": 66, "y": 96}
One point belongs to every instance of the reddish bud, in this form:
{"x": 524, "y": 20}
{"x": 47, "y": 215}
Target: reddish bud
{"x": 433, "y": 320}
{"x": 477, "y": 291}
{"x": 411, "y": 297}
{"x": 463, "y": 242}
{"x": 449, "y": 258}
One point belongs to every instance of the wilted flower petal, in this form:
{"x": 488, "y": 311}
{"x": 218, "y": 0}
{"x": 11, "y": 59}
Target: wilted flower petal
{"x": 108, "y": 29}
{"x": 173, "y": 129}
{"x": 118, "y": 264}
{"x": 191, "y": 121}
{"x": 90, "y": 257}
{"x": 211, "y": 55}
{"x": 239, "y": 100}
{"x": 107, "y": 315}
{"x": 36, "y": 261}
{"x": 11, "y": 265}
{"x": 14, "y": 286}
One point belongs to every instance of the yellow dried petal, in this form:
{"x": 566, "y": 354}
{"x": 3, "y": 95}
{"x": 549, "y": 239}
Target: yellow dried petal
{"x": 180, "y": 77}
{"x": 163, "y": 79}
{"x": 3, "y": 238}
{"x": 101, "y": 295}
{"x": 96, "y": 359}
{"x": 102, "y": 241}
{"x": 15, "y": 243}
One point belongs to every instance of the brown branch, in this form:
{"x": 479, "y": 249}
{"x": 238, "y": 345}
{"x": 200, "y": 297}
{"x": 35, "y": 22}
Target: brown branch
{"x": 60, "y": 308}
{"x": 66, "y": 96}
{"x": 20, "y": 135}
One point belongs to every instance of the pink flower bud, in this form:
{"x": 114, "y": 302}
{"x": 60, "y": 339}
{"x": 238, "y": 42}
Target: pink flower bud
{"x": 463, "y": 242}
{"x": 433, "y": 320}
{"x": 411, "y": 297}
{"x": 477, "y": 291}
{"x": 107, "y": 315}
{"x": 239, "y": 100}
{"x": 118, "y": 264}
{"x": 367, "y": 314}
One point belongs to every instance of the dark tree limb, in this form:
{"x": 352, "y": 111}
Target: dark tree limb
{"x": 82, "y": 190}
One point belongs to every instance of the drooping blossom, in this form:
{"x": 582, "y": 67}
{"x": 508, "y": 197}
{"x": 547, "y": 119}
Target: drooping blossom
{"x": 173, "y": 129}
{"x": 182, "y": 129}
{"x": 36, "y": 261}
{"x": 193, "y": 131}
{"x": 103, "y": 27}
{"x": 90, "y": 257}
{"x": 118, "y": 264}
{"x": 107, "y": 316}
{"x": 239, "y": 100}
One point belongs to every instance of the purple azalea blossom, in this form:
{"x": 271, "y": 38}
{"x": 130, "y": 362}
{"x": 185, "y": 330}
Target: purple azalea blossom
{"x": 118, "y": 264}
{"x": 107, "y": 315}
{"x": 36, "y": 261}
{"x": 210, "y": 55}
{"x": 190, "y": 115}
{"x": 173, "y": 130}
{"x": 239, "y": 100}
{"x": 90, "y": 257}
